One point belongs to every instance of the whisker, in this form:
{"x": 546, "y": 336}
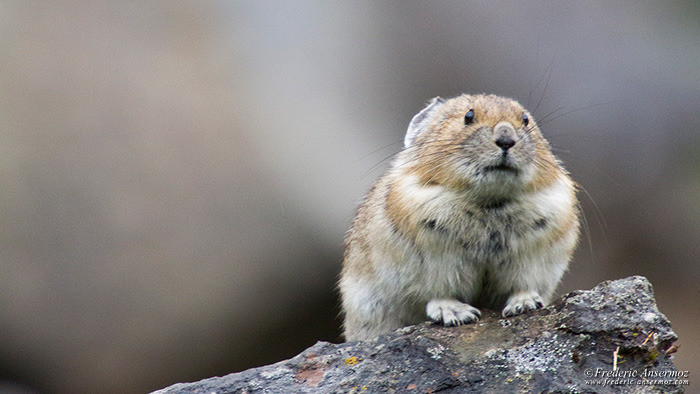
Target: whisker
{"x": 413, "y": 160}
{"x": 444, "y": 140}
{"x": 435, "y": 167}
{"x": 441, "y": 168}
{"x": 559, "y": 150}
{"x": 546, "y": 85}
{"x": 377, "y": 165}
{"x": 579, "y": 109}
{"x": 549, "y": 114}
{"x": 428, "y": 156}
{"x": 586, "y": 227}
{"x": 599, "y": 216}
{"x": 536, "y": 85}
{"x": 427, "y": 143}
{"x": 377, "y": 150}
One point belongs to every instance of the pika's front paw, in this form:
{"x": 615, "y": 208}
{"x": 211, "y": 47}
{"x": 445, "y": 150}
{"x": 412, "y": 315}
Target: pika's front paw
{"x": 451, "y": 312}
{"x": 522, "y": 302}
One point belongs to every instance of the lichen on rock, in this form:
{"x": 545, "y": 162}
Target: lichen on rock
{"x": 610, "y": 332}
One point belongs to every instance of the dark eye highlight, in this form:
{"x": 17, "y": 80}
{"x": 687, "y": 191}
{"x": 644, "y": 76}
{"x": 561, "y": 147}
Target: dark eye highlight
{"x": 526, "y": 119}
{"x": 469, "y": 117}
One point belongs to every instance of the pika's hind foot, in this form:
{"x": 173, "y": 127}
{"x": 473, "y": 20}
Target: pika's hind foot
{"x": 522, "y": 302}
{"x": 450, "y": 312}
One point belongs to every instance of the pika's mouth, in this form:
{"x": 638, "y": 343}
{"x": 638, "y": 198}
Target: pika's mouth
{"x": 502, "y": 167}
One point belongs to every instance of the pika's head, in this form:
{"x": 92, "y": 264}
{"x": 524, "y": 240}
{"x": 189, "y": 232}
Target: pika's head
{"x": 486, "y": 143}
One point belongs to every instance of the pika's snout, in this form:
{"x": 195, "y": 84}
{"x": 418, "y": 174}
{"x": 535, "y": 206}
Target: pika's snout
{"x": 505, "y": 135}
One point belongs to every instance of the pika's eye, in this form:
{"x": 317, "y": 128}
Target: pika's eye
{"x": 469, "y": 117}
{"x": 526, "y": 120}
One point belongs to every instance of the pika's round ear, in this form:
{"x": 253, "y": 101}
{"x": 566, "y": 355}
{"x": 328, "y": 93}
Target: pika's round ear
{"x": 421, "y": 120}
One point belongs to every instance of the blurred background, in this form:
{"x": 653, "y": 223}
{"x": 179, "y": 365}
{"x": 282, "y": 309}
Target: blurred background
{"x": 177, "y": 177}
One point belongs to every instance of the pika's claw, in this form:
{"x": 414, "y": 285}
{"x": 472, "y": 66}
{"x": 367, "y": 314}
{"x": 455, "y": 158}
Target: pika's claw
{"x": 450, "y": 312}
{"x": 522, "y": 302}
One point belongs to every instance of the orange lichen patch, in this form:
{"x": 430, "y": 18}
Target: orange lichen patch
{"x": 311, "y": 377}
{"x": 352, "y": 360}
{"x": 411, "y": 386}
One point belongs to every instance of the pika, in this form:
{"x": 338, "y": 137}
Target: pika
{"x": 475, "y": 212}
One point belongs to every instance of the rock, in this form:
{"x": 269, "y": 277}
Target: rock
{"x": 569, "y": 346}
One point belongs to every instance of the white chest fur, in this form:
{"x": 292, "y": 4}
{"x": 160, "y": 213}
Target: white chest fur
{"x": 458, "y": 244}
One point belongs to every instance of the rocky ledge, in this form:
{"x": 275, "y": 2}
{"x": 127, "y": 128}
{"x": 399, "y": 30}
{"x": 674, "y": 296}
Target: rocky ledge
{"x": 609, "y": 339}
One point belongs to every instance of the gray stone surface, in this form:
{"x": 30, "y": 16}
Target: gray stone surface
{"x": 560, "y": 348}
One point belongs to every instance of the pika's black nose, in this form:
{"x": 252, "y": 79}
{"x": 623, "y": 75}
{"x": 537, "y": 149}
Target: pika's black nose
{"x": 504, "y": 142}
